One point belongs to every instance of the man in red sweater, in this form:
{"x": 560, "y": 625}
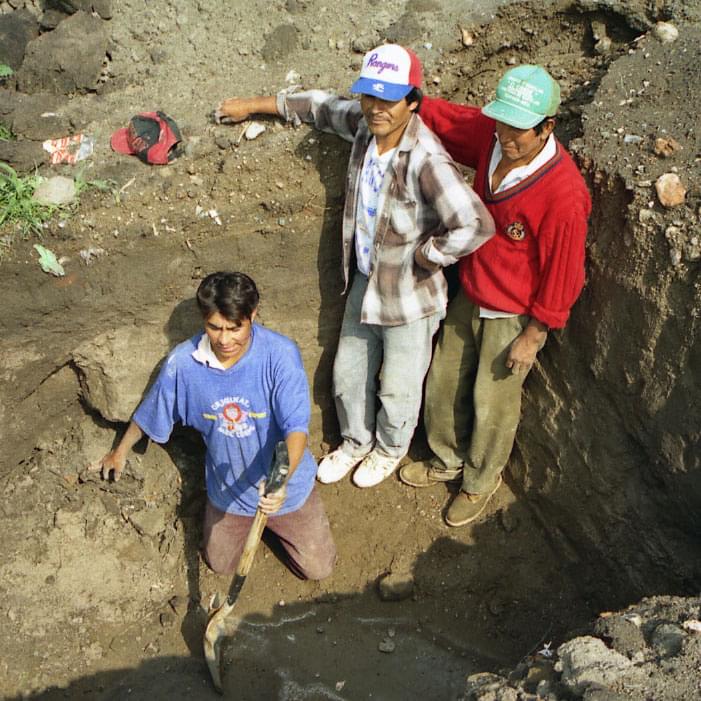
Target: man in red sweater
{"x": 515, "y": 288}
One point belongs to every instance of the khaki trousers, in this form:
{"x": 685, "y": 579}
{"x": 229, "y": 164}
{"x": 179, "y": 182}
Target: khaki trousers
{"x": 473, "y": 401}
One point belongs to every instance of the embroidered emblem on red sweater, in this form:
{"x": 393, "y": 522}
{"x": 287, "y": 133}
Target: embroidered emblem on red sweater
{"x": 516, "y": 231}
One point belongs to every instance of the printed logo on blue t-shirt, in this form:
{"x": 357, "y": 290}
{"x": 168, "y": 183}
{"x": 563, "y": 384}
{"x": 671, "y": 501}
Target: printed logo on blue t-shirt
{"x": 233, "y": 416}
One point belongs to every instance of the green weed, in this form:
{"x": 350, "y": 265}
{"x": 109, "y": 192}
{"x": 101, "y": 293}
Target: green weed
{"x": 16, "y": 203}
{"x": 5, "y": 133}
{"x": 82, "y": 184}
{"x": 5, "y": 71}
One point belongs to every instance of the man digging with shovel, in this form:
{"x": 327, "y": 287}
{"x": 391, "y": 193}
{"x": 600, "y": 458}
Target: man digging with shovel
{"x": 243, "y": 387}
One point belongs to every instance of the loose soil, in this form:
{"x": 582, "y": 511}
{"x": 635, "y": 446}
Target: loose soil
{"x": 103, "y": 595}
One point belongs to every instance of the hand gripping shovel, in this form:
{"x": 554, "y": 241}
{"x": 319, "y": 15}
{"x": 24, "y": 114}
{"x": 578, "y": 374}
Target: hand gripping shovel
{"x": 216, "y": 628}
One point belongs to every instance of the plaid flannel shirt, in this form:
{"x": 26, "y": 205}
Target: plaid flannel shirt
{"x": 425, "y": 204}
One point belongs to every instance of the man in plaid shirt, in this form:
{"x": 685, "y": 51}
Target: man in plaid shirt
{"x": 408, "y": 213}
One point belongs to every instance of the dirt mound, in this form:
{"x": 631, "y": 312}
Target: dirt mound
{"x": 102, "y": 588}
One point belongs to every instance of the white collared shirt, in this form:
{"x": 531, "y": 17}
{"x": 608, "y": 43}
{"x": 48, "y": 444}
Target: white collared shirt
{"x": 511, "y": 179}
{"x": 205, "y": 355}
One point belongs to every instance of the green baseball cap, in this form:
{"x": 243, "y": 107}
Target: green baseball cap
{"x": 525, "y": 96}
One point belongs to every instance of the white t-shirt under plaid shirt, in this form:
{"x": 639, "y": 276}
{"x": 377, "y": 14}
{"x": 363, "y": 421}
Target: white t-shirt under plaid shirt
{"x": 370, "y": 188}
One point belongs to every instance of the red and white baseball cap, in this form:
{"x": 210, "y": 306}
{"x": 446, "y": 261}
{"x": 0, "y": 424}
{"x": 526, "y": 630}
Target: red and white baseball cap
{"x": 389, "y": 72}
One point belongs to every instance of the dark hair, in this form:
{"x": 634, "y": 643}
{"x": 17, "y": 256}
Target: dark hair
{"x": 541, "y": 125}
{"x": 233, "y": 295}
{"x": 415, "y": 96}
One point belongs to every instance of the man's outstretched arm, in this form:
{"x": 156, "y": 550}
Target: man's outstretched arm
{"x": 237, "y": 109}
{"x": 115, "y": 460}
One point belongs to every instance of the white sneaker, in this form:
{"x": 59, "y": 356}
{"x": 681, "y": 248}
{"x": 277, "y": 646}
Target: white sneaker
{"x": 374, "y": 468}
{"x": 335, "y": 466}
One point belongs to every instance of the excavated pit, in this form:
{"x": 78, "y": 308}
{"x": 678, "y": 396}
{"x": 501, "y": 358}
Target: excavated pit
{"x": 103, "y": 592}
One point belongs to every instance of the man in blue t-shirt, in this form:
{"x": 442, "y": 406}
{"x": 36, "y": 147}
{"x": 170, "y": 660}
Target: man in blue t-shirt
{"x": 243, "y": 387}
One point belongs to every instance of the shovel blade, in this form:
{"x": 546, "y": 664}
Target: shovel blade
{"x": 215, "y": 631}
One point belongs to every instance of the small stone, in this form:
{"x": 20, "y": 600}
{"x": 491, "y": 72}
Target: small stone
{"x": 254, "y": 130}
{"x": 667, "y": 639}
{"x": 222, "y": 142}
{"x": 58, "y": 191}
{"x": 666, "y": 32}
{"x": 670, "y": 190}
{"x": 466, "y": 37}
{"x": 387, "y": 646}
{"x": 666, "y": 146}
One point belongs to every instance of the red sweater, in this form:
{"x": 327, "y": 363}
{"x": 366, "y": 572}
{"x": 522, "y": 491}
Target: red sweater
{"x": 534, "y": 264}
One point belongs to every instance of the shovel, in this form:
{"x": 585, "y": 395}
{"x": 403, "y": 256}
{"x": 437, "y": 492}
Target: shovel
{"x": 216, "y": 626}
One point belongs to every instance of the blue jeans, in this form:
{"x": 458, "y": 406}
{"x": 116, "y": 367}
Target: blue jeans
{"x": 401, "y": 355}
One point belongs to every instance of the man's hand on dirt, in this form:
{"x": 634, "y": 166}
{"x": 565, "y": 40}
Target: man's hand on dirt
{"x": 232, "y": 110}
{"x": 112, "y": 463}
{"x": 273, "y": 502}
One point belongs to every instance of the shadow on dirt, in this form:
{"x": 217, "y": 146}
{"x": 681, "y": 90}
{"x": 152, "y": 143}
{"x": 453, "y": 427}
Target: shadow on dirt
{"x": 340, "y": 646}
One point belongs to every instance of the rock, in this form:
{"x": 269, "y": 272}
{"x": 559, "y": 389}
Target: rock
{"x": 623, "y": 634}
{"x": 51, "y": 19}
{"x": 17, "y": 29}
{"x": 405, "y": 30}
{"x": 58, "y": 191}
{"x": 363, "y": 43}
{"x": 281, "y": 42}
{"x": 466, "y": 37}
{"x": 387, "y": 645}
{"x": 670, "y": 190}
{"x": 541, "y": 670}
{"x": 67, "y": 60}
{"x": 423, "y": 6}
{"x": 294, "y": 7}
{"x": 665, "y": 32}
{"x": 254, "y": 130}
{"x": 23, "y": 156}
{"x": 149, "y": 522}
{"x": 667, "y": 639}
{"x": 396, "y": 586}
{"x": 666, "y": 146}
{"x": 489, "y": 687}
{"x": 110, "y": 385}
{"x": 586, "y": 662}
{"x": 38, "y": 117}
{"x": 603, "y": 42}
{"x": 101, "y": 7}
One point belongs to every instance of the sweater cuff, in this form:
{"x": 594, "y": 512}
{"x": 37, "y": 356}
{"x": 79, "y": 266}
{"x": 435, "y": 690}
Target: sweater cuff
{"x": 552, "y": 319}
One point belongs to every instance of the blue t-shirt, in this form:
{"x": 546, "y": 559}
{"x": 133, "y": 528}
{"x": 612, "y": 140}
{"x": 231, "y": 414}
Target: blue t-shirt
{"x": 241, "y": 412}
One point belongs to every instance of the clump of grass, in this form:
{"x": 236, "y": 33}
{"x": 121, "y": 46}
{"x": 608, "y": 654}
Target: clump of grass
{"x": 5, "y": 71}
{"x": 17, "y": 205}
{"x": 5, "y": 133}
